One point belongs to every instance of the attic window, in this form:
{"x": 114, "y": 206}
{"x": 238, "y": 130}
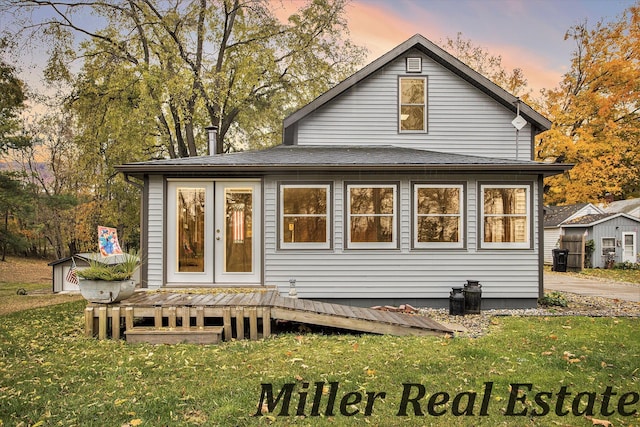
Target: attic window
{"x": 412, "y": 108}
{"x": 414, "y": 65}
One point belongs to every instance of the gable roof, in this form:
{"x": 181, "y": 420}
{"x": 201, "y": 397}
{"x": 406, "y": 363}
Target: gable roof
{"x": 594, "y": 219}
{"x": 439, "y": 55}
{"x": 554, "y": 216}
{"x": 296, "y": 158}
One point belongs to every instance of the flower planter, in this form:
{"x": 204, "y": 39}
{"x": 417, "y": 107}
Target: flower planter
{"x": 106, "y": 292}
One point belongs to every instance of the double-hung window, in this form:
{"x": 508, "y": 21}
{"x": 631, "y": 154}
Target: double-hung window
{"x": 372, "y": 216}
{"x": 305, "y": 216}
{"x": 505, "y": 216}
{"x": 438, "y": 220}
{"x": 412, "y": 97}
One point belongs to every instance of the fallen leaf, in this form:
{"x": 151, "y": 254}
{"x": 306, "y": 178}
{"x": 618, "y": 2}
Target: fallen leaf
{"x": 597, "y": 422}
{"x": 135, "y": 422}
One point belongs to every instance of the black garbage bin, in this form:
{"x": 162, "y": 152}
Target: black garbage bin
{"x": 560, "y": 260}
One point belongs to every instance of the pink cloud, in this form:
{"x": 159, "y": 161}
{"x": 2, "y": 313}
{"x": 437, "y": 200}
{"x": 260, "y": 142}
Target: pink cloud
{"x": 380, "y": 27}
{"x": 538, "y": 72}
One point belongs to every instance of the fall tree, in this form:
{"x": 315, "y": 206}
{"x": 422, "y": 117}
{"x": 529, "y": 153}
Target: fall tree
{"x": 489, "y": 65}
{"x": 12, "y": 103}
{"x": 596, "y": 115}
{"x": 172, "y": 68}
{"x": 14, "y": 197}
{"x": 144, "y": 78}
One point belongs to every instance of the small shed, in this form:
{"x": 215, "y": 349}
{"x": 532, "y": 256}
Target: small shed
{"x": 62, "y": 267}
{"x": 555, "y": 217}
{"x": 615, "y": 237}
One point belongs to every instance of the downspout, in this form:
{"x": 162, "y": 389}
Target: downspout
{"x": 127, "y": 179}
{"x": 540, "y": 236}
{"x": 517, "y": 130}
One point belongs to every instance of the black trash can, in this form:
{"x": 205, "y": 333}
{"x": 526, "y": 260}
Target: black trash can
{"x": 560, "y": 260}
{"x": 456, "y": 302}
{"x": 472, "y": 297}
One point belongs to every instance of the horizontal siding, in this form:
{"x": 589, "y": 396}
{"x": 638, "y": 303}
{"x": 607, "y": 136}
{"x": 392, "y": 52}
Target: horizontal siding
{"x": 461, "y": 118}
{"x": 551, "y": 242}
{"x": 403, "y": 272}
{"x": 427, "y": 274}
{"x": 612, "y": 229}
{"x": 155, "y": 243}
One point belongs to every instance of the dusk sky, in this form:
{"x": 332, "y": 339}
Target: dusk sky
{"x": 528, "y": 34}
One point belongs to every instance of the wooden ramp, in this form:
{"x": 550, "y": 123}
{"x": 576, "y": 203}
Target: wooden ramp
{"x": 208, "y": 318}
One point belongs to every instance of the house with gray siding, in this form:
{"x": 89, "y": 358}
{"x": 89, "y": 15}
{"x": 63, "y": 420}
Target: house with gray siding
{"x": 615, "y": 237}
{"x": 410, "y": 177}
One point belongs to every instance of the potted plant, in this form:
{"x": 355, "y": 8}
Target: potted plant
{"x": 109, "y": 279}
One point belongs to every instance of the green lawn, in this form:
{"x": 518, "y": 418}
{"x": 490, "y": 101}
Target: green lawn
{"x": 584, "y": 369}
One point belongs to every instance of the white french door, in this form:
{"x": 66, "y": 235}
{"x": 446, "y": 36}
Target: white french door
{"x": 213, "y": 232}
{"x": 237, "y": 232}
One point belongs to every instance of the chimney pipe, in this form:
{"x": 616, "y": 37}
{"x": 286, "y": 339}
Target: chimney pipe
{"x": 212, "y": 135}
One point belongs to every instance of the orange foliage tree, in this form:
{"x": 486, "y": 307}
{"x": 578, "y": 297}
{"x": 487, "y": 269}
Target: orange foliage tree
{"x": 595, "y": 113}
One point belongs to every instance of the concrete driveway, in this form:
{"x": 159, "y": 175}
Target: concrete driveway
{"x": 591, "y": 287}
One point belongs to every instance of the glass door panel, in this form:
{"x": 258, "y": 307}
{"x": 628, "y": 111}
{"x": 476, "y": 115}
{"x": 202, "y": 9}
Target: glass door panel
{"x": 237, "y": 233}
{"x": 238, "y": 218}
{"x": 189, "y": 228}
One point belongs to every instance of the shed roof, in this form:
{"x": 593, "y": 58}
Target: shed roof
{"x": 333, "y": 158}
{"x": 93, "y": 256}
{"x": 439, "y": 55}
{"x": 554, "y": 216}
{"x": 594, "y": 219}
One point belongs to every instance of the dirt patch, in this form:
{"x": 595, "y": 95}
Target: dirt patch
{"x": 25, "y": 270}
{"x": 31, "y": 277}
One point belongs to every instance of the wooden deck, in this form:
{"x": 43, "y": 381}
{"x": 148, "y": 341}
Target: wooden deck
{"x": 208, "y": 318}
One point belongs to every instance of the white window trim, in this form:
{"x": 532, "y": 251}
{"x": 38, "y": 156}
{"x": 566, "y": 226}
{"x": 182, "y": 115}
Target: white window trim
{"x": 426, "y": 97}
{"x": 305, "y": 245}
{"x": 481, "y": 216}
{"x": 394, "y": 223}
{"x": 602, "y": 239}
{"x": 438, "y": 245}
